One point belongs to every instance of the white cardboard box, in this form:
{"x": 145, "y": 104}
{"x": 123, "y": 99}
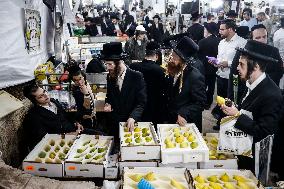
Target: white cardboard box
{"x": 90, "y": 169}
{"x": 123, "y": 164}
{"x": 141, "y": 152}
{"x": 230, "y": 163}
{"x": 45, "y": 169}
{"x": 193, "y": 165}
{"x": 111, "y": 167}
{"x": 218, "y": 172}
{"x": 163, "y": 176}
{"x": 182, "y": 155}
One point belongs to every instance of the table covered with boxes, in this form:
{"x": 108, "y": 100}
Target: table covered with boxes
{"x": 171, "y": 157}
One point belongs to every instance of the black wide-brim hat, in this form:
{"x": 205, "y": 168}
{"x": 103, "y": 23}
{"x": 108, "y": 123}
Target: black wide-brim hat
{"x": 112, "y": 51}
{"x": 157, "y": 16}
{"x": 152, "y": 47}
{"x": 185, "y": 48}
{"x": 195, "y": 15}
{"x": 258, "y": 51}
{"x": 114, "y": 16}
{"x": 212, "y": 28}
{"x": 166, "y": 44}
{"x": 232, "y": 13}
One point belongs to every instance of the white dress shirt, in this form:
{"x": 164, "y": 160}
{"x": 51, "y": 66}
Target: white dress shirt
{"x": 227, "y": 51}
{"x": 51, "y": 107}
{"x": 254, "y": 84}
{"x": 249, "y": 23}
{"x": 120, "y": 78}
{"x": 278, "y": 41}
{"x": 116, "y": 27}
{"x": 99, "y": 28}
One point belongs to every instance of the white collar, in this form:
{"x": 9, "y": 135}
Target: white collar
{"x": 232, "y": 39}
{"x": 256, "y": 82}
{"x": 122, "y": 75}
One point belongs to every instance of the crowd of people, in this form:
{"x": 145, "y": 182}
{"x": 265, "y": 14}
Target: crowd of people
{"x": 238, "y": 57}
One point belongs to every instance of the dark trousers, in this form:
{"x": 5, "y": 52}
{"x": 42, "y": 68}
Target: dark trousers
{"x": 210, "y": 87}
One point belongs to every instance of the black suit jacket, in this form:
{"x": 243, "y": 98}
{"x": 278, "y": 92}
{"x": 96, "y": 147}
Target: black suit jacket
{"x": 111, "y": 29}
{"x": 208, "y": 47}
{"x": 156, "y": 83}
{"x": 40, "y": 121}
{"x": 274, "y": 70}
{"x": 196, "y": 32}
{"x": 189, "y": 103}
{"x": 156, "y": 33}
{"x": 264, "y": 102}
{"x": 93, "y": 31}
{"x": 130, "y": 101}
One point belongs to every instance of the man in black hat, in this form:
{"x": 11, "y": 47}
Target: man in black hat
{"x": 126, "y": 90}
{"x": 274, "y": 69}
{"x": 187, "y": 95}
{"x": 115, "y": 28}
{"x": 208, "y": 47}
{"x": 232, "y": 15}
{"x": 155, "y": 81}
{"x": 259, "y": 109}
{"x": 156, "y": 30}
{"x": 101, "y": 29}
{"x": 196, "y": 30}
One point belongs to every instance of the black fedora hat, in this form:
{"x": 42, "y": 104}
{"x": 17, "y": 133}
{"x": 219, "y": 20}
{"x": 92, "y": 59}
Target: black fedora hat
{"x": 232, "y": 13}
{"x": 195, "y": 15}
{"x": 212, "y": 28}
{"x": 114, "y": 16}
{"x": 185, "y": 48}
{"x": 112, "y": 51}
{"x": 258, "y": 51}
{"x": 152, "y": 47}
{"x": 157, "y": 16}
{"x": 166, "y": 41}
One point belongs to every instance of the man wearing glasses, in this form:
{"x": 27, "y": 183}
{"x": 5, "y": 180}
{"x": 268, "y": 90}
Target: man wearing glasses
{"x": 46, "y": 116}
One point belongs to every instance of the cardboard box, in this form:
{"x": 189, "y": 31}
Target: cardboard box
{"x": 205, "y": 173}
{"x": 193, "y": 165}
{"x": 31, "y": 166}
{"x": 86, "y": 167}
{"x": 182, "y": 155}
{"x": 162, "y": 175}
{"x": 123, "y": 164}
{"x": 140, "y": 152}
{"x": 111, "y": 167}
{"x": 230, "y": 163}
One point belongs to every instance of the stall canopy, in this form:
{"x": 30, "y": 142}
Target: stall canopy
{"x": 16, "y": 64}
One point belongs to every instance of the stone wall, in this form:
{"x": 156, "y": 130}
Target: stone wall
{"x": 11, "y": 130}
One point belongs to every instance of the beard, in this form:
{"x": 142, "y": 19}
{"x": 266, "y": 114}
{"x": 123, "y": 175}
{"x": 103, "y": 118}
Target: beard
{"x": 113, "y": 74}
{"x": 174, "y": 69}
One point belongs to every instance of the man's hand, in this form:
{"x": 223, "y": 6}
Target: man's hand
{"x": 230, "y": 111}
{"x": 80, "y": 128}
{"x": 181, "y": 121}
{"x": 130, "y": 124}
{"x": 83, "y": 89}
{"x": 107, "y": 108}
{"x": 223, "y": 64}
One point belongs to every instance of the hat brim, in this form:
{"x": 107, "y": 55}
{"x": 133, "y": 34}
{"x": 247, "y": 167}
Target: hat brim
{"x": 196, "y": 17}
{"x": 114, "y": 57}
{"x": 232, "y": 14}
{"x": 256, "y": 55}
{"x": 173, "y": 45}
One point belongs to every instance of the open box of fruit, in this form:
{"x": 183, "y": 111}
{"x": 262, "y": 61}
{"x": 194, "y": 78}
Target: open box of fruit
{"x": 158, "y": 177}
{"x": 223, "y": 178}
{"x": 88, "y": 155}
{"x": 47, "y": 158}
{"x": 141, "y": 144}
{"x": 182, "y": 144}
{"x": 217, "y": 160}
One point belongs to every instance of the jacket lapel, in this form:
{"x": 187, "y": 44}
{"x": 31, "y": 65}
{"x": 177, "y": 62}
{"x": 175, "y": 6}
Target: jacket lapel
{"x": 125, "y": 83}
{"x": 254, "y": 93}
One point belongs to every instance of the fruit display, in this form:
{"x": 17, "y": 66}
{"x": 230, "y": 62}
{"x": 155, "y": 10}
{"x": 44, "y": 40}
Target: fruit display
{"x": 212, "y": 143}
{"x": 89, "y": 149}
{"x": 223, "y": 179}
{"x": 159, "y": 178}
{"x": 141, "y": 135}
{"x": 182, "y": 141}
{"x": 222, "y": 101}
{"x": 54, "y": 150}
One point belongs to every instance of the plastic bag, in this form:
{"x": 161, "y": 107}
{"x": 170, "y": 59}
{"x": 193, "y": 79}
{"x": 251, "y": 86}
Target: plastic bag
{"x": 111, "y": 184}
{"x": 233, "y": 140}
